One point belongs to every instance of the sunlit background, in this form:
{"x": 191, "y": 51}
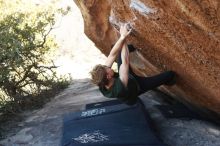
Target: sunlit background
{"x": 77, "y": 54}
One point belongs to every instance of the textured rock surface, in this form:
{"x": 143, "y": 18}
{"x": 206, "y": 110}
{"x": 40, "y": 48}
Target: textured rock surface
{"x": 179, "y": 35}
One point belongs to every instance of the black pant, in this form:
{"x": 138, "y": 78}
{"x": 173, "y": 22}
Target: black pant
{"x": 149, "y": 83}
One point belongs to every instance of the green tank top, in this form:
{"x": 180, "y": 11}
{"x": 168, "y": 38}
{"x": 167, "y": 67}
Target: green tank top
{"x": 128, "y": 95}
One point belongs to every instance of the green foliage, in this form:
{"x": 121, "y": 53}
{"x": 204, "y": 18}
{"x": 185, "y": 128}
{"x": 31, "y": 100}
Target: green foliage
{"x": 26, "y": 68}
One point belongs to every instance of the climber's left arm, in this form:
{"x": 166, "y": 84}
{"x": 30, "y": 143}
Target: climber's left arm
{"x": 124, "y": 32}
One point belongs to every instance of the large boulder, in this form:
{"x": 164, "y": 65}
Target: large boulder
{"x": 179, "y": 35}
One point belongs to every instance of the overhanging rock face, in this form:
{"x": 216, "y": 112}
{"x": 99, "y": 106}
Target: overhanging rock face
{"x": 179, "y": 35}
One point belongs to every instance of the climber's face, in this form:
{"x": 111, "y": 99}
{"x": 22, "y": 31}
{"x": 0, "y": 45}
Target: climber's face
{"x": 109, "y": 73}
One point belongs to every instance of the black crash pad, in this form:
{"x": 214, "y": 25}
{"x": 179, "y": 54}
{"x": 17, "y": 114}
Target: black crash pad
{"x": 109, "y": 123}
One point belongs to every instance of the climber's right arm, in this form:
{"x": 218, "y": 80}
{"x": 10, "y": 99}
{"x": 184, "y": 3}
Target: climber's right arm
{"x": 124, "y": 67}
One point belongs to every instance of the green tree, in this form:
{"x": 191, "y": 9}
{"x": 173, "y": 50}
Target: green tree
{"x": 26, "y": 70}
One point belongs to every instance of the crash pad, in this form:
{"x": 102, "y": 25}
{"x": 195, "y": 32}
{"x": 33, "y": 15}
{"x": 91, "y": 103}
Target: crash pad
{"x": 110, "y": 123}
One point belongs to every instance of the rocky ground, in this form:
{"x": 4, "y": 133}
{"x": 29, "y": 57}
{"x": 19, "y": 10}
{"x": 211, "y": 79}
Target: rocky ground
{"x": 43, "y": 127}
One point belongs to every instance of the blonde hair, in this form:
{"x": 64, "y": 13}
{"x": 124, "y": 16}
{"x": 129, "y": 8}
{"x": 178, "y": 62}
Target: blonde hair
{"x": 98, "y": 75}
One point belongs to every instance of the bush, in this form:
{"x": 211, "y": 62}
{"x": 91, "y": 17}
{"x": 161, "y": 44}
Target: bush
{"x": 27, "y": 70}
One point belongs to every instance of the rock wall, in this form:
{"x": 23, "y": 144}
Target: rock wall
{"x": 179, "y": 35}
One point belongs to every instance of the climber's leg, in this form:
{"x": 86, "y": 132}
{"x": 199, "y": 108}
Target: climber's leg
{"x": 148, "y": 83}
{"x": 131, "y": 48}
